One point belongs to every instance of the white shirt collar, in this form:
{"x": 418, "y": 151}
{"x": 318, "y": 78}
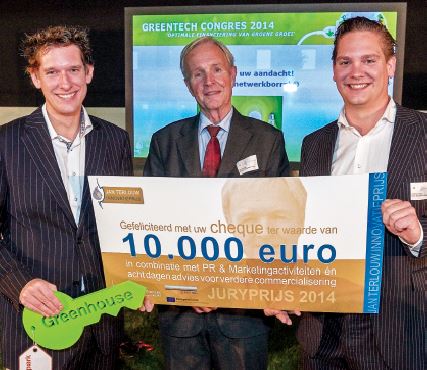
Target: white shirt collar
{"x": 389, "y": 115}
{"x": 85, "y": 127}
{"x": 224, "y": 123}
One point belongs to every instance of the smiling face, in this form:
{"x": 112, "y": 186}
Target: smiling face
{"x": 210, "y": 79}
{"x": 272, "y": 203}
{"x": 62, "y": 78}
{"x": 361, "y": 71}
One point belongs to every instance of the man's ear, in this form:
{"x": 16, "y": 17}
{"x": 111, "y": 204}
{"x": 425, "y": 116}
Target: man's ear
{"x": 333, "y": 75}
{"x": 34, "y": 78}
{"x": 233, "y": 74}
{"x": 187, "y": 83}
{"x": 90, "y": 70}
{"x": 391, "y": 66}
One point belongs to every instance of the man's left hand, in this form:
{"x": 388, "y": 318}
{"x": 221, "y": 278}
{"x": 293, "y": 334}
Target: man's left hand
{"x": 282, "y": 316}
{"x": 400, "y": 218}
{"x": 204, "y": 309}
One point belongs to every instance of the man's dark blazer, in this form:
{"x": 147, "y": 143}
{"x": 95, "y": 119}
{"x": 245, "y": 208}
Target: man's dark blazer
{"x": 174, "y": 152}
{"x": 399, "y": 328}
{"x": 40, "y": 236}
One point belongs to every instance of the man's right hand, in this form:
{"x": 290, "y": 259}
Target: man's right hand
{"x": 147, "y": 305}
{"x": 37, "y": 295}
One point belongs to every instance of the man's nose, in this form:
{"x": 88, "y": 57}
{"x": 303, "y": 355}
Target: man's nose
{"x": 265, "y": 221}
{"x": 357, "y": 69}
{"x": 209, "y": 78}
{"x": 64, "y": 82}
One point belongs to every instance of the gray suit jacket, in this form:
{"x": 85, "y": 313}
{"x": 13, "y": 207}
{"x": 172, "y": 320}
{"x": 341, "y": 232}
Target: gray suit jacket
{"x": 399, "y": 328}
{"x": 174, "y": 152}
{"x": 40, "y": 238}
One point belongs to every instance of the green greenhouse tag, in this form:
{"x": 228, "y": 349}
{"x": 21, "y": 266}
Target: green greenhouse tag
{"x": 63, "y": 330}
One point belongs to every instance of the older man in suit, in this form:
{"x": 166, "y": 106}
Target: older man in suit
{"x": 372, "y": 134}
{"x": 48, "y": 232}
{"x": 218, "y": 142}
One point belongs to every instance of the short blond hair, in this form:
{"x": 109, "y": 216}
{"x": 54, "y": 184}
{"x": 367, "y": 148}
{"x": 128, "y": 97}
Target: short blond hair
{"x": 203, "y": 40}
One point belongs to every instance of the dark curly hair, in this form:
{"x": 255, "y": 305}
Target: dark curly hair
{"x": 43, "y": 40}
{"x": 363, "y": 24}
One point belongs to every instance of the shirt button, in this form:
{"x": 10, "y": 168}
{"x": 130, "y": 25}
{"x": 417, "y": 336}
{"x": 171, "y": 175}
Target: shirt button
{"x": 75, "y": 199}
{"x": 74, "y": 174}
{"x": 359, "y": 166}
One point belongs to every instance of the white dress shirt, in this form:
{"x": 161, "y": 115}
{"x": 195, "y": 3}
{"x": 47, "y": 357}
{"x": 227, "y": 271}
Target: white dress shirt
{"x": 357, "y": 154}
{"x": 71, "y": 160}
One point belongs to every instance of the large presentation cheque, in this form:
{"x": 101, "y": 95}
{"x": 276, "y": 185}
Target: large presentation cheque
{"x": 312, "y": 243}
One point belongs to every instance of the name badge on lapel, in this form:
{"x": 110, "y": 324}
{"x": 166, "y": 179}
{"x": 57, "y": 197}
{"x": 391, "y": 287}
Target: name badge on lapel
{"x": 248, "y": 164}
{"x": 418, "y": 190}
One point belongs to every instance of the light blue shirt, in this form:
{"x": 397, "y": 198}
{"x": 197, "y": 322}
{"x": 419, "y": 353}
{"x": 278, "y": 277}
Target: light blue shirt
{"x": 204, "y": 136}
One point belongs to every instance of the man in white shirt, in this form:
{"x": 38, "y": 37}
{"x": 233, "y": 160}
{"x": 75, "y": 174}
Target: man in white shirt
{"x": 48, "y": 236}
{"x": 373, "y": 133}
